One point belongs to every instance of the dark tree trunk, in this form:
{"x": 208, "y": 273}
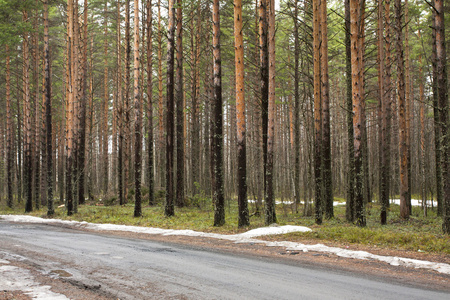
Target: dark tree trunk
{"x": 48, "y": 114}
{"x": 217, "y": 144}
{"x": 444, "y": 107}
{"x": 180, "y": 108}
{"x": 326, "y": 134}
{"x": 350, "y": 203}
{"x": 138, "y": 119}
{"x": 240, "y": 116}
{"x": 150, "y": 164}
{"x": 9, "y": 147}
{"x": 169, "y": 207}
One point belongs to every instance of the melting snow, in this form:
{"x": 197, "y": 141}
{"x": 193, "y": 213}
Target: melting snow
{"x": 247, "y": 237}
{"x": 13, "y": 278}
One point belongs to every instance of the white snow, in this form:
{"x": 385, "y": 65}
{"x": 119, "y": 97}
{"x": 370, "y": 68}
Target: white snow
{"x": 247, "y": 237}
{"x": 13, "y": 278}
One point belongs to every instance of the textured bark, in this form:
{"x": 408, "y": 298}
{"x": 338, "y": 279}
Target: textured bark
{"x": 350, "y": 203}
{"x": 358, "y": 98}
{"x": 296, "y": 108}
{"x": 105, "y": 130}
{"x": 27, "y": 170}
{"x": 264, "y": 77}
{"x": 437, "y": 121}
{"x": 270, "y": 214}
{"x": 150, "y": 159}
{"x": 422, "y": 135}
{"x": 408, "y": 103}
{"x": 48, "y": 114}
{"x": 169, "y": 206}
{"x": 326, "y": 133}
{"x": 217, "y": 144}
{"x": 160, "y": 100}
{"x": 240, "y": 115}
{"x": 36, "y": 139}
{"x": 120, "y": 113}
{"x": 126, "y": 106}
{"x": 444, "y": 107}
{"x": 383, "y": 150}
{"x": 180, "y": 108}
{"x": 69, "y": 109}
{"x": 82, "y": 113}
{"x": 9, "y": 147}
{"x": 317, "y": 114}
{"x": 404, "y": 188}
{"x": 137, "y": 119}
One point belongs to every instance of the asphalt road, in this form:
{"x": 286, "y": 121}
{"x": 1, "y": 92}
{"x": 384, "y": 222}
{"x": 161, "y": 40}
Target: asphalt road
{"x": 142, "y": 269}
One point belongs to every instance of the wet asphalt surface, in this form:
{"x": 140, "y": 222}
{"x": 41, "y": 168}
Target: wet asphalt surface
{"x": 129, "y": 268}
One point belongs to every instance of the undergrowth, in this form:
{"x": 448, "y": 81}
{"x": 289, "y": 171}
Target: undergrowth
{"x": 419, "y": 233}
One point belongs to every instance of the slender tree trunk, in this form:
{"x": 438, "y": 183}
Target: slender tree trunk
{"x": 240, "y": 115}
{"x": 422, "y": 135}
{"x": 270, "y": 215}
{"x": 27, "y": 121}
{"x": 317, "y": 114}
{"x": 444, "y": 107}
{"x": 69, "y": 109}
{"x": 120, "y": 112}
{"x": 151, "y": 175}
{"x": 384, "y": 136}
{"x": 82, "y": 112}
{"x": 358, "y": 111}
{"x": 36, "y": 140}
{"x": 217, "y": 145}
{"x": 350, "y": 204}
{"x": 160, "y": 100}
{"x": 138, "y": 118}
{"x": 48, "y": 114}
{"x": 264, "y": 83}
{"x": 105, "y": 130}
{"x": 9, "y": 147}
{"x": 326, "y": 134}
{"x": 180, "y": 107}
{"x": 404, "y": 188}
{"x": 126, "y": 108}
{"x": 169, "y": 207}
{"x": 296, "y": 108}
{"x": 408, "y": 103}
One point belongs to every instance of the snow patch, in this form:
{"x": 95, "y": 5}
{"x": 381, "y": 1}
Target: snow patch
{"x": 17, "y": 279}
{"x": 246, "y": 237}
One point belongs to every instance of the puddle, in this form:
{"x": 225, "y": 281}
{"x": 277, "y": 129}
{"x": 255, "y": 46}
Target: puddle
{"x": 60, "y": 273}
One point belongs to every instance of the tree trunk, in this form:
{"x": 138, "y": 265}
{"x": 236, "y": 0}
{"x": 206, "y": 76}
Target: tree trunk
{"x": 264, "y": 83}
{"x": 27, "y": 170}
{"x": 9, "y": 147}
{"x": 317, "y": 114}
{"x": 442, "y": 89}
{"x": 217, "y": 144}
{"x": 358, "y": 111}
{"x": 240, "y": 115}
{"x": 404, "y": 188}
{"x": 350, "y": 204}
{"x": 138, "y": 118}
{"x": 150, "y": 164}
{"x": 325, "y": 97}
{"x": 180, "y": 108}
{"x": 169, "y": 207}
{"x": 270, "y": 215}
{"x": 48, "y": 114}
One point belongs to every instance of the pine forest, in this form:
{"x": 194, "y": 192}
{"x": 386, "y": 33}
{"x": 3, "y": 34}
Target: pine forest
{"x": 233, "y": 107}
